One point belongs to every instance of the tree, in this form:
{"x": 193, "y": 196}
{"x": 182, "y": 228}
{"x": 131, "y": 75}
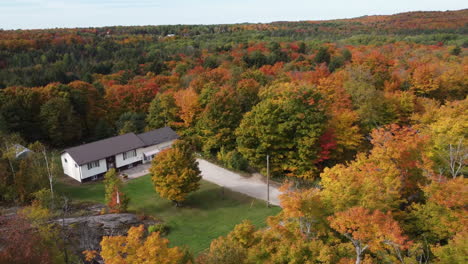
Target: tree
{"x": 8, "y": 151}
{"x": 189, "y": 108}
{"x": 368, "y": 230}
{"x": 218, "y": 122}
{"x": 247, "y": 91}
{"x": 131, "y": 122}
{"x": 162, "y": 111}
{"x": 287, "y": 126}
{"x": 18, "y": 233}
{"x": 442, "y": 215}
{"x": 59, "y": 121}
{"x": 305, "y": 207}
{"x": 102, "y": 130}
{"x": 456, "y": 251}
{"x": 425, "y": 79}
{"x": 255, "y": 59}
{"x": 135, "y": 249}
{"x": 448, "y": 128}
{"x": 115, "y": 198}
{"x": 323, "y": 55}
{"x": 175, "y": 174}
{"x": 224, "y": 251}
{"x": 361, "y": 183}
{"x": 51, "y": 167}
{"x": 373, "y": 109}
{"x": 405, "y": 149}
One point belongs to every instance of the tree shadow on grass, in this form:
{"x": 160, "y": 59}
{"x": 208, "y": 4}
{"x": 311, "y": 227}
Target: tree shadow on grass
{"x": 216, "y": 197}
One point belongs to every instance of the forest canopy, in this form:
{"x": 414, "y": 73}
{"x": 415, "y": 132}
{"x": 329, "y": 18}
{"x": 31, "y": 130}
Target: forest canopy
{"x": 364, "y": 119}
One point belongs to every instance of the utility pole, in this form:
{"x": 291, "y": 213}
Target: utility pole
{"x": 268, "y": 180}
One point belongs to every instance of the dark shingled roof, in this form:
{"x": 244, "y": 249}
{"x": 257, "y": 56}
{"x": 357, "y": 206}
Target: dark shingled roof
{"x": 112, "y": 146}
{"x": 104, "y": 148}
{"x": 158, "y": 136}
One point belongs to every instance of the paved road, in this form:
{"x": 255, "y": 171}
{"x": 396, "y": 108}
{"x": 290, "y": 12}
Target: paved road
{"x": 252, "y": 186}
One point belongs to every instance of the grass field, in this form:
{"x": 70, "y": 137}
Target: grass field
{"x": 207, "y": 214}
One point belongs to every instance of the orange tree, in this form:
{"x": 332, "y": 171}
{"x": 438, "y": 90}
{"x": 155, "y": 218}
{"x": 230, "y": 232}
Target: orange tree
{"x": 367, "y": 230}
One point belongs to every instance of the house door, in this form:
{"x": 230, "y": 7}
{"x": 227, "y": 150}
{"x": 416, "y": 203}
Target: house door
{"x": 110, "y": 162}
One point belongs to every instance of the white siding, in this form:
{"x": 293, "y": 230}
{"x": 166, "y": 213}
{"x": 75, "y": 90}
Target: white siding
{"x": 160, "y": 146}
{"x": 81, "y": 172}
{"x": 85, "y": 173}
{"x": 70, "y": 167}
{"x": 120, "y": 162}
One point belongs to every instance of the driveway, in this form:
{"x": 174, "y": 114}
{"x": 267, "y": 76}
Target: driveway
{"x": 137, "y": 171}
{"x": 252, "y": 186}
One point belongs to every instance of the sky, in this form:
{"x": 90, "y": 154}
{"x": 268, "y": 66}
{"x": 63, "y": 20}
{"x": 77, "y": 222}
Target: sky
{"x": 34, "y": 14}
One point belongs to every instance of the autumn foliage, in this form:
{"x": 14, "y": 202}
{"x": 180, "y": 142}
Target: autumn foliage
{"x": 175, "y": 173}
{"x": 134, "y": 248}
{"x": 365, "y": 118}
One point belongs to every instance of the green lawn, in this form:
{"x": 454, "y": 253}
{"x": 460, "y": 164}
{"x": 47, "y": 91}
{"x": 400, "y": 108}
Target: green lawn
{"x": 207, "y": 213}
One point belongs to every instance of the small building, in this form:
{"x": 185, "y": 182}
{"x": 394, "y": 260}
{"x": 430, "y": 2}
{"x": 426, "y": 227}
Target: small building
{"x": 92, "y": 160}
{"x": 21, "y": 151}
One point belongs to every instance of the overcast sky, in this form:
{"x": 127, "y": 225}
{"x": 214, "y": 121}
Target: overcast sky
{"x": 32, "y": 14}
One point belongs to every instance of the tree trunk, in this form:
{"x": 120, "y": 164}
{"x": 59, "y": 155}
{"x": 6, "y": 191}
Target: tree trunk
{"x": 10, "y": 163}
{"x": 358, "y": 255}
{"x": 49, "y": 173}
{"x": 118, "y": 197}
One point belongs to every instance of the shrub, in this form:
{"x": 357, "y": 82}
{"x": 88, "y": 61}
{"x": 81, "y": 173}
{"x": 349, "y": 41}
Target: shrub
{"x": 162, "y": 228}
{"x": 232, "y": 159}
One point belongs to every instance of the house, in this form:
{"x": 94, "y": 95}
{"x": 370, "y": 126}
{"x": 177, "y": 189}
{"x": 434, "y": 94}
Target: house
{"x": 21, "y": 151}
{"x": 92, "y": 160}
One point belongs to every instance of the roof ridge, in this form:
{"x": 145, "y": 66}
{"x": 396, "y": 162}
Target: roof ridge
{"x": 100, "y": 140}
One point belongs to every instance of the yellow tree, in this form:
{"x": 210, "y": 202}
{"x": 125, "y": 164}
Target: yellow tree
{"x": 361, "y": 183}
{"x": 448, "y": 127}
{"x": 231, "y": 249}
{"x": 135, "y": 249}
{"x": 175, "y": 173}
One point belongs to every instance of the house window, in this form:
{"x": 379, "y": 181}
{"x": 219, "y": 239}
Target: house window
{"x": 65, "y": 160}
{"x": 129, "y": 154}
{"x": 76, "y": 165}
{"x": 93, "y": 164}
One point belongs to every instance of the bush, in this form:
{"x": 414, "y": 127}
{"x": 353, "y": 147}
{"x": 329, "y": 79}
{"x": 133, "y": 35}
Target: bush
{"x": 44, "y": 198}
{"x": 162, "y": 228}
{"x": 232, "y": 159}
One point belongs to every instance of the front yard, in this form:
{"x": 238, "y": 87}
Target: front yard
{"x": 207, "y": 214}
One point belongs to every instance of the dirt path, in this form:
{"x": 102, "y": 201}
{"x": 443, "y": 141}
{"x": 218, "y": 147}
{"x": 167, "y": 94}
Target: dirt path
{"x": 252, "y": 186}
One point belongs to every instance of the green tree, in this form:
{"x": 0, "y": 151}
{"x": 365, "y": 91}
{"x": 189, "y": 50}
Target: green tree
{"x": 162, "y": 111}
{"x": 373, "y": 108}
{"x": 175, "y": 173}
{"x": 286, "y": 125}
{"x": 102, "y": 130}
{"x": 323, "y": 55}
{"x": 456, "y": 251}
{"x": 115, "y": 198}
{"x": 131, "y": 122}
{"x": 218, "y": 122}
{"x": 59, "y": 122}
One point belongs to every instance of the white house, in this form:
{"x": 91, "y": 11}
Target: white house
{"x": 89, "y": 161}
